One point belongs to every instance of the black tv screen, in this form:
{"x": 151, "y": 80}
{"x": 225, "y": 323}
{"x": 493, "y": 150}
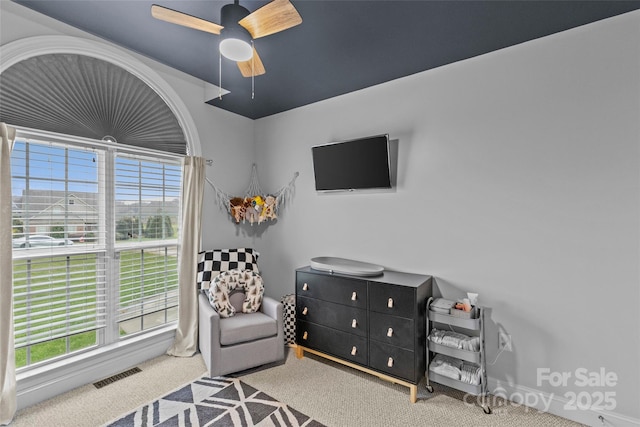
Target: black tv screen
{"x": 352, "y": 165}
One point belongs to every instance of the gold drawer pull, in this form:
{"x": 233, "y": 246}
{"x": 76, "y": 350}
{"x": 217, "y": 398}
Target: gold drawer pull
{"x": 304, "y": 336}
{"x": 354, "y": 296}
{"x": 354, "y": 350}
{"x": 305, "y": 287}
{"x": 305, "y": 310}
{"x": 354, "y": 323}
{"x": 390, "y": 362}
{"x": 390, "y": 303}
{"x": 390, "y": 332}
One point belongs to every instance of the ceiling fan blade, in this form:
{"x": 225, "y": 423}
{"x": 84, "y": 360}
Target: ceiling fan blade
{"x": 271, "y": 18}
{"x": 252, "y": 67}
{"x": 175, "y": 17}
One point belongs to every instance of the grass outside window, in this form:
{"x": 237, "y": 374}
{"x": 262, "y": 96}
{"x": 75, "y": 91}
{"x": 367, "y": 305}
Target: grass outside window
{"x": 47, "y": 304}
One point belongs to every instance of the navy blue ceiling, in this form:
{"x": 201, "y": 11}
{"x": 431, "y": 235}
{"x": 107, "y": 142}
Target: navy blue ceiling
{"x": 340, "y": 47}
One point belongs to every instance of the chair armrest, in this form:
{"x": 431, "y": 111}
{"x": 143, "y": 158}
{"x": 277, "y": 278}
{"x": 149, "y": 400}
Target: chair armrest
{"x": 209, "y": 319}
{"x": 272, "y": 308}
{"x": 275, "y": 310}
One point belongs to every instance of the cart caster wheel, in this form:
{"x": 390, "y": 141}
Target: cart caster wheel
{"x": 486, "y": 409}
{"x": 430, "y": 389}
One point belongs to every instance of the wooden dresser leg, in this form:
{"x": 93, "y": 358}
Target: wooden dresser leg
{"x": 299, "y": 352}
{"x": 414, "y": 393}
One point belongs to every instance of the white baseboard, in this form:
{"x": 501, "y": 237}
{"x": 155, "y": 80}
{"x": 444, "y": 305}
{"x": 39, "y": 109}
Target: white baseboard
{"x": 46, "y": 382}
{"x": 557, "y": 405}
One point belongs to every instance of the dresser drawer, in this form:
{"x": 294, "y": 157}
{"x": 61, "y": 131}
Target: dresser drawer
{"x": 336, "y": 289}
{"x": 331, "y": 341}
{"x": 396, "y": 331}
{"x": 348, "y": 319}
{"x": 395, "y": 361}
{"x": 392, "y": 299}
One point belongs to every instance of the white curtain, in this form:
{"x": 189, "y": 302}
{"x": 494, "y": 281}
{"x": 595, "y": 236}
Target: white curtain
{"x": 193, "y": 178}
{"x": 7, "y": 351}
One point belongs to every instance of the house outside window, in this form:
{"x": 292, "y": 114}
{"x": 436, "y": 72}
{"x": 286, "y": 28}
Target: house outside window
{"x": 95, "y": 245}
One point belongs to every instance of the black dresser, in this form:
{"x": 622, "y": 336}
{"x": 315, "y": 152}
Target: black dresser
{"x": 374, "y": 324}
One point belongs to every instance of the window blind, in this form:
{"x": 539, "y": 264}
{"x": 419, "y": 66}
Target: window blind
{"x": 58, "y": 296}
{"x": 88, "y": 97}
{"x": 147, "y": 198}
{"x": 148, "y": 282}
{"x": 75, "y": 277}
{"x": 56, "y": 200}
{"x": 147, "y": 195}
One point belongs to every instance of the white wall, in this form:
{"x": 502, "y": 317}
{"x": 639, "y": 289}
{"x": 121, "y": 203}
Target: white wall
{"x": 518, "y": 179}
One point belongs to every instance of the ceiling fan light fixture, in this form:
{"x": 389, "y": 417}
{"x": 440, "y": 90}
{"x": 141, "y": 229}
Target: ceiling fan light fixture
{"x": 236, "y": 49}
{"x": 235, "y": 41}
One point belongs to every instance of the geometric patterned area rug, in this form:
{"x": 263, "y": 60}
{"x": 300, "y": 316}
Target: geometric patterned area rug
{"x": 215, "y": 402}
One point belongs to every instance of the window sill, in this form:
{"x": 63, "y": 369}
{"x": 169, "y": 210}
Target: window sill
{"x": 43, "y": 382}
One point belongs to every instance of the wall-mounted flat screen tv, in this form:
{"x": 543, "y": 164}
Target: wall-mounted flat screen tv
{"x": 357, "y": 164}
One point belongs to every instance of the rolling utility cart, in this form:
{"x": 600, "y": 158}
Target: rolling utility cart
{"x": 447, "y": 333}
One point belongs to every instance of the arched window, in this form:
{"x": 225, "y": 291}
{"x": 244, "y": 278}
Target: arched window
{"x": 86, "y": 88}
{"x": 96, "y": 191}
{"x": 84, "y": 96}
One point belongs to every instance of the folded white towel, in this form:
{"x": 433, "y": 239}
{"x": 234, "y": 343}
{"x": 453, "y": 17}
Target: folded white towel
{"x": 455, "y": 340}
{"x": 470, "y": 374}
{"x": 447, "y": 366}
{"x": 441, "y": 305}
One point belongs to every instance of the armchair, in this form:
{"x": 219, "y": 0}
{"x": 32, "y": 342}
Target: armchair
{"x": 243, "y": 341}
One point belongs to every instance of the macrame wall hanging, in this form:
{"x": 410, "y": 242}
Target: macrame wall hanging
{"x": 255, "y": 206}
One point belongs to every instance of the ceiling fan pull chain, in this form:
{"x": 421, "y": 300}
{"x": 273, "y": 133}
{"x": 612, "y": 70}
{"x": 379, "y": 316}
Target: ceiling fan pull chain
{"x": 219, "y": 75}
{"x": 253, "y": 73}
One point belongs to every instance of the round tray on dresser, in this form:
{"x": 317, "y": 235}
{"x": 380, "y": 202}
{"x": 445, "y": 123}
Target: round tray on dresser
{"x": 345, "y": 266}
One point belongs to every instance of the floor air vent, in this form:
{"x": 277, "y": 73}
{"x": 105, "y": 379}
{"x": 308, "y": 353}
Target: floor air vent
{"x": 117, "y": 377}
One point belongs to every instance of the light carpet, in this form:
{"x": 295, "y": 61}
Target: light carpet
{"x": 339, "y": 396}
{"x": 88, "y": 406}
{"x": 329, "y": 393}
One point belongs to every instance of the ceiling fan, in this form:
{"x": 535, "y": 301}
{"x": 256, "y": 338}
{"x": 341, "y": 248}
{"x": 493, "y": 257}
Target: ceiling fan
{"x": 239, "y": 27}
